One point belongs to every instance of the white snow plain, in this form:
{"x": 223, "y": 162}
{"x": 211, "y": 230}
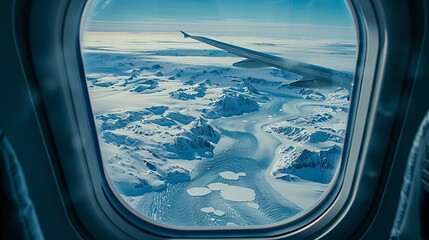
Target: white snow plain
{"x": 189, "y": 140}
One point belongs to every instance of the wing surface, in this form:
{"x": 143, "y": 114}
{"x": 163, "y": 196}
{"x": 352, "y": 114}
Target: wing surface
{"x": 313, "y": 76}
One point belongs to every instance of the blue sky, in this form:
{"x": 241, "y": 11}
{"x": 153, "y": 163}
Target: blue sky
{"x": 321, "y": 18}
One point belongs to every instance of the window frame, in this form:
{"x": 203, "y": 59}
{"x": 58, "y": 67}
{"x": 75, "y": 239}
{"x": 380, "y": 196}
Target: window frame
{"x": 96, "y": 210}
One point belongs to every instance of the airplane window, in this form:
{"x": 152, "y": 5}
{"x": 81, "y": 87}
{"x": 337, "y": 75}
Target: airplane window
{"x": 220, "y": 113}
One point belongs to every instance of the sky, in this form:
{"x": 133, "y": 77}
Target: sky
{"x": 292, "y": 18}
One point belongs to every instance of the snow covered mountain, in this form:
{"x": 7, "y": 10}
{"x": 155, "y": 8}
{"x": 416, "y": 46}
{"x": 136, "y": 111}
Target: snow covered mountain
{"x": 231, "y": 103}
{"x": 310, "y": 165}
{"x": 312, "y": 94}
{"x": 201, "y": 128}
{"x": 303, "y": 134}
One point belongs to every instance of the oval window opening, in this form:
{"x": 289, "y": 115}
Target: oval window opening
{"x": 220, "y": 113}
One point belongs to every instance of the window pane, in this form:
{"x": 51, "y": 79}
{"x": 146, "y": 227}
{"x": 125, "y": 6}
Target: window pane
{"x": 239, "y": 120}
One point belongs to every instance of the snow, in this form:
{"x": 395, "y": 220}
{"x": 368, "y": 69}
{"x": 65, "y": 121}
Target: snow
{"x": 143, "y": 87}
{"x": 135, "y": 174}
{"x": 231, "y": 224}
{"x": 304, "y": 194}
{"x": 308, "y": 134}
{"x": 253, "y": 205}
{"x": 198, "y": 191}
{"x": 219, "y": 213}
{"x": 311, "y": 94}
{"x": 249, "y": 88}
{"x": 238, "y": 194}
{"x": 115, "y": 121}
{"x": 117, "y": 139}
{"x": 157, "y": 110}
{"x": 163, "y": 122}
{"x": 217, "y": 186}
{"x": 181, "y": 94}
{"x": 179, "y": 117}
{"x": 232, "y": 103}
{"x": 189, "y": 147}
{"x": 232, "y": 175}
{"x": 180, "y": 128}
{"x": 207, "y": 209}
{"x": 201, "y": 128}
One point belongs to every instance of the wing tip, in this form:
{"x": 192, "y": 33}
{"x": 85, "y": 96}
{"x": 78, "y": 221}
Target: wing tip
{"x": 185, "y": 35}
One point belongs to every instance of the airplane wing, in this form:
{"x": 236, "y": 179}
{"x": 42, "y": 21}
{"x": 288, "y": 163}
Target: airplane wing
{"x": 313, "y": 76}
